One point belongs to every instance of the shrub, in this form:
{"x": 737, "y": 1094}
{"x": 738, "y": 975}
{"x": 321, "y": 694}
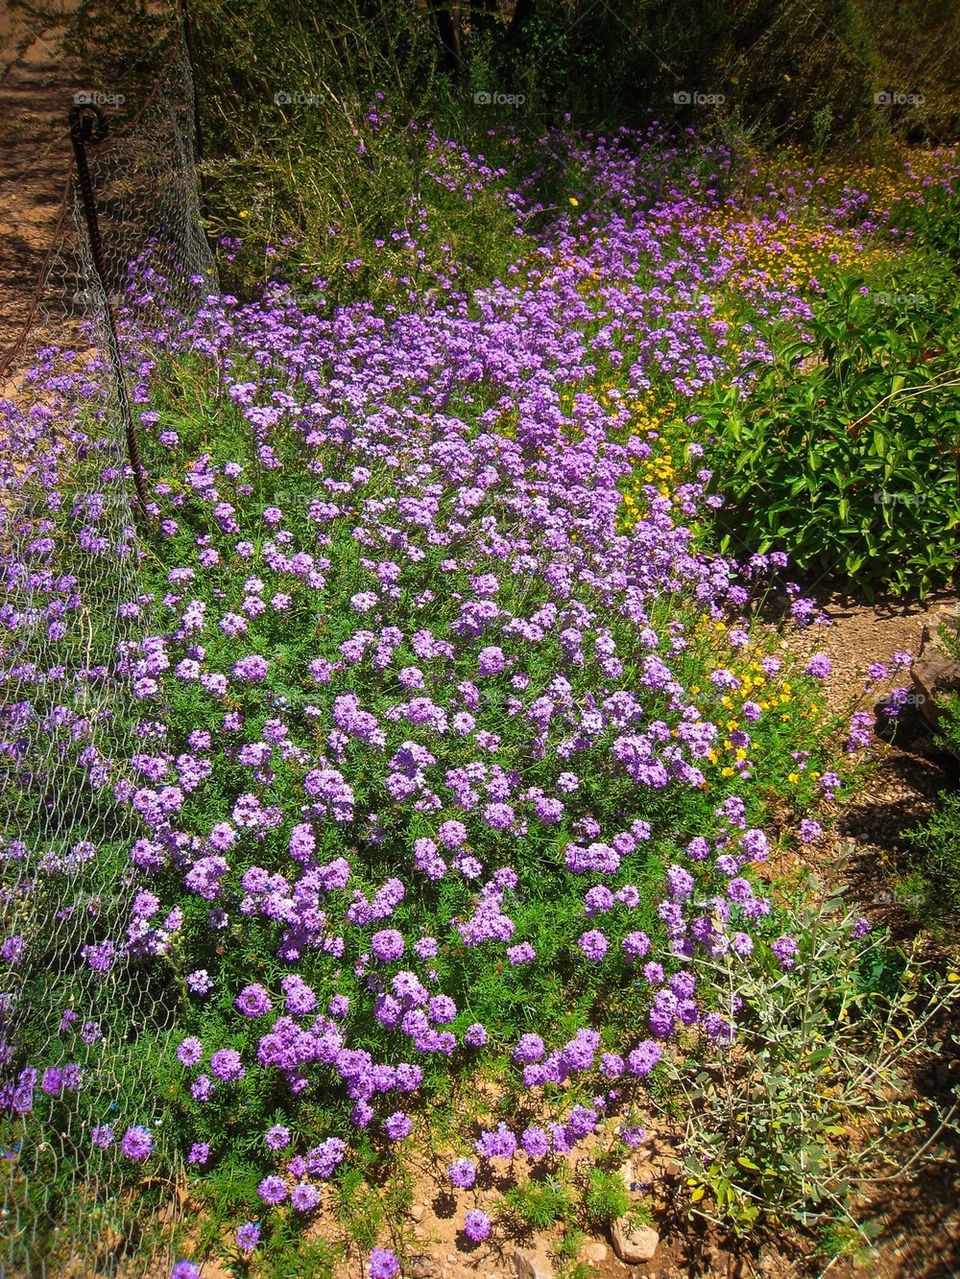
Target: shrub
{"x": 845, "y": 449}
{"x": 817, "y": 1105}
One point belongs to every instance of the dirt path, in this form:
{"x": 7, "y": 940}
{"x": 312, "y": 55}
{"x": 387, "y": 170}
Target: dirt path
{"x": 36, "y": 90}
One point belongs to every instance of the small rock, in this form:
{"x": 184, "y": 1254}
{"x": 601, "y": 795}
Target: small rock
{"x": 421, "y": 1267}
{"x": 595, "y": 1252}
{"x": 532, "y": 1265}
{"x": 418, "y": 1212}
{"x": 633, "y": 1244}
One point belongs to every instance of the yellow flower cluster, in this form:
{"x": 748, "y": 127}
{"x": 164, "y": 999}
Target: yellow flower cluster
{"x": 658, "y": 469}
{"x": 790, "y": 255}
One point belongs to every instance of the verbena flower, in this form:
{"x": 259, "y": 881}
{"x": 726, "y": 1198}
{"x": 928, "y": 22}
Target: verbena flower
{"x": 137, "y": 1143}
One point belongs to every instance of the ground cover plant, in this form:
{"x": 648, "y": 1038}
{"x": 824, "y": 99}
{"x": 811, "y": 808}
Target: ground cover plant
{"x": 422, "y": 789}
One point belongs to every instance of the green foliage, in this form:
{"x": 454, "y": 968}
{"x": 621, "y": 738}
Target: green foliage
{"x": 843, "y": 1238}
{"x": 536, "y": 1205}
{"x": 844, "y": 451}
{"x": 605, "y": 1197}
{"x": 933, "y": 886}
{"x": 937, "y": 843}
{"x": 771, "y": 1130}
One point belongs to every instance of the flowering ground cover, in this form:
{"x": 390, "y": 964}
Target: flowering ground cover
{"x": 406, "y": 783}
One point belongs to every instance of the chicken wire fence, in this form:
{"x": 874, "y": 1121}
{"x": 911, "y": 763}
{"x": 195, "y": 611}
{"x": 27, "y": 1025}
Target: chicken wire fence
{"x": 78, "y": 1012}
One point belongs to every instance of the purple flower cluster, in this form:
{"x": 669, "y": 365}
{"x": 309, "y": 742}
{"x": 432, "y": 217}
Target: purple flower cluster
{"x": 397, "y": 673}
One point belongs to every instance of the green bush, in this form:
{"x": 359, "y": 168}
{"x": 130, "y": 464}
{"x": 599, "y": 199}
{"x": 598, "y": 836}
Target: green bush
{"x": 935, "y": 880}
{"x": 536, "y": 1205}
{"x": 846, "y": 450}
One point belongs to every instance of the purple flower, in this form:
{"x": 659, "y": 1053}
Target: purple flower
{"x": 644, "y": 1057}
{"x": 476, "y": 1225}
{"x": 277, "y": 1137}
{"x": 202, "y": 1088}
{"x": 387, "y": 945}
{"x": 398, "y": 1125}
{"x": 251, "y": 668}
{"x": 225, "y": 1064}
{"x": 598, "y": 899}
{"x": 452, "y": 834}
{"x": 199, "y": 1153}
{"x": 185, "y": 1270}
{"x": 253, "y": 1001}
{"x": 137, "y": 1143}
{"x": 382, "y": 1264}
{"x": 462, "y": 1174}
{"x": 190, "y": 1051}
{"x": 785, "y": 949}
{"x": 475, "y": 1036}
{"x": 272, "y": 1190}
{"x": 298, "y": 996}
{"x": 523, "y": 953}
{"x": 530, "y": 1048}
{"x": 102, "y": 1136}
{"x": 594, "y": 945}
{"x": 248, "y": 1236}
{"x": 498, "y": 1144}
{"x": 819, "y": 666}
{"x": 304, "y": 1197}
{"x": 535, "y": 1142}
{"x": 491, "y": 661}
{"x": 199, "y": 982}
{"x": 636, "y": 945}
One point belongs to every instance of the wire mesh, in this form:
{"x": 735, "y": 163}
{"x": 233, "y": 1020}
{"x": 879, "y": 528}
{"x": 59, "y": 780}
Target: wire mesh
{"x": 82, "y": 1013}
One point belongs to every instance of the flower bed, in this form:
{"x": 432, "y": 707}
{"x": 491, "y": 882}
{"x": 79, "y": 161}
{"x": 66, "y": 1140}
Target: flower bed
{"x": 418, "y": 742}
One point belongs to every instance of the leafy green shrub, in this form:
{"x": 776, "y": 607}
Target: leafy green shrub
{"x": 845, "y": 450}
{"x": 938, "y": 848}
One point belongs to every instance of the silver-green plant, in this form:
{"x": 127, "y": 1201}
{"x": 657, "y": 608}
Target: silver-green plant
{"x": 812, "y": 1104}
